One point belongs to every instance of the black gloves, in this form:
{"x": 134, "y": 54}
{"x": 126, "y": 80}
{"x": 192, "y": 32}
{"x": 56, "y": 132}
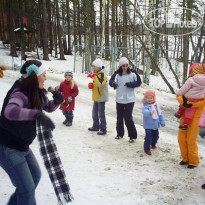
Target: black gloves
{"x": 129, "y": 85}
{"x": 58, "y": 97}
{"x": 185, "y": 103}
{"x": 44, "y": 120}
{"x": 114, "y": 85}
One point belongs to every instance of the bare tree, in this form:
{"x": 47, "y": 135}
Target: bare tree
{"x": 44, "y": 31}
{"x": 59, "y": 32}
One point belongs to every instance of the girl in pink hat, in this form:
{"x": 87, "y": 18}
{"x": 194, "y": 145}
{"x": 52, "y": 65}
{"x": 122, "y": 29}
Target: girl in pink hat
{"x": 152, "y": 119}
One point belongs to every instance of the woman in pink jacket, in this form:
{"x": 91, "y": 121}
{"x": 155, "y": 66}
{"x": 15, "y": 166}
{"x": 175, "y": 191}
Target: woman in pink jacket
{"x": 193, "y": 91}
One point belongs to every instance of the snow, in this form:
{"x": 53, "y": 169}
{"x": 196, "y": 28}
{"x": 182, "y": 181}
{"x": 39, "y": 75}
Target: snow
{"x": 102, "y": 170}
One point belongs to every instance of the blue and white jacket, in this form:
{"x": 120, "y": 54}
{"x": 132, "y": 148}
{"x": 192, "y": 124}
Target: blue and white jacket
{"x": 148, "y": 121}
{"x": 125, "y": 94}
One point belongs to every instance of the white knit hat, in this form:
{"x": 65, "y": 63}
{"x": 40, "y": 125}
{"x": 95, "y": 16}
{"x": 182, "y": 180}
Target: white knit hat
{"x": 98, "y": 63}
{"x": 123, "y": 61}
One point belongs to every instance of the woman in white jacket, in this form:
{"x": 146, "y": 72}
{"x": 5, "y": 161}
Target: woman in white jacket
{"x": 125, "y": 80}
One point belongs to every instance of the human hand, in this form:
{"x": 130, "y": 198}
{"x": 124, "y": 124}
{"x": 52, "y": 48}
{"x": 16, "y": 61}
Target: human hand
{"x": 90, "y": 85}
{"x": 185, "y": 104}
{"x": 58, "y": 97}
{"x": 91, "y": 75}
{"x": 44, "y": 120}
{"x": 129, "y": 85}
{"x": 70, "y": 98}
{"x": 1, "y": 71}
{"x": 115, "y": 85}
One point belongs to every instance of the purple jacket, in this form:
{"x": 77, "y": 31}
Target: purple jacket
{"x": 17, "y": 107}
{"x": 17, "y": 123}
{"x": 194, "y": 87}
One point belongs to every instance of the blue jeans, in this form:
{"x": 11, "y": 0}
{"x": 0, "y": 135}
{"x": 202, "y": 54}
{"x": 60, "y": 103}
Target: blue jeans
{"x": 151, "y": 138}
{"x": 98, "y": 114}
{"x": 24, "y": 173}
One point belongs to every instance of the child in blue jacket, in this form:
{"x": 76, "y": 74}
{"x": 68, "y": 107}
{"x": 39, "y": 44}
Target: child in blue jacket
{"x": 152, "y": 119}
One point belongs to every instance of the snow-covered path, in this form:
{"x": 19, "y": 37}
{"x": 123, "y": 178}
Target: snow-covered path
{"x": 105, "y": 171}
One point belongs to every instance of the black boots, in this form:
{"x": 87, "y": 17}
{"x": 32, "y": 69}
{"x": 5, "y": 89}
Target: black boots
{"x": 69, "y": 118}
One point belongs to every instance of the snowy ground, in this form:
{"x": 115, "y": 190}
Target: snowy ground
{"x": 105, "y": 171}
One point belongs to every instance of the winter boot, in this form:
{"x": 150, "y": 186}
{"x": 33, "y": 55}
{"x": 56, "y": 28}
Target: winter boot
{"x": 65, "y": 121}
{"x": 65, "y": 114}
{"x": 70, "y": 119}
{"x": 92, "y": 129}
{"x": 148, "y": 153}
{"x": 102, "y": 132}
{"x": 177, "y": 115}
{"x": 183, "y": 163}
{"x": 185, "y": 125}
{"x": 118, "y": 137}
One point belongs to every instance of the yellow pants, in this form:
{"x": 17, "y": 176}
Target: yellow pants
{"x": 187, "y": 139}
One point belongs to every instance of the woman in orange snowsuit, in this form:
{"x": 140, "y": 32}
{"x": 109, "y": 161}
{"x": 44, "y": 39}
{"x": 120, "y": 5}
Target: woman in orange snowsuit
{"x": 187, "y": 139}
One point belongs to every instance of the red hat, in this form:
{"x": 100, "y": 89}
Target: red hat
{"x": 150, "y": 93}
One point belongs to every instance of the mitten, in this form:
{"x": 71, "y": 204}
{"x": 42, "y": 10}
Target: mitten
{"x": 1, "y": 74}
{"x": 114, "y": 85}
{"x": 70, "y": 98}
{"x": 90, "y": 85}
{"x": 91, "y": 75}
{"x": 129, "y": 85}
{"x": 58, "y": 97}
{"x": 185, "y": 104}
{"x": 44, "y": 120}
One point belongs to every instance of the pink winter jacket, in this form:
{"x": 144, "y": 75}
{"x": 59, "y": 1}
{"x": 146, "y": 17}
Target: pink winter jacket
{"x": 194, "y": 87}
{"x": 202, "y": 120}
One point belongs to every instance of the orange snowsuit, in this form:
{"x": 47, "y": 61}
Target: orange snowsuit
{"x": 187, "y": 139}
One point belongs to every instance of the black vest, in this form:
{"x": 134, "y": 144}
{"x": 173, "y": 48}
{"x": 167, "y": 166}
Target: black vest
{"x": 16, "y": 134}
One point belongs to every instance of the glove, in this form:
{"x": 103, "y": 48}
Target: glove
{"x": 1, "y": 71}
{"x": 90, "y": 85}
{"x": 129, "y": 85}
{"x": 70, "y": 98}
{"x": 91, "y": 75}
{"x": 44, "y": 120}
{"x": 115, "y": 85}
{"x": 58, "y": 97}
{"x": 185, "y": 104}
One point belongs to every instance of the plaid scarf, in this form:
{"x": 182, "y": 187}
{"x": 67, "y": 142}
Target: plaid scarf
{"x": 53, "y": 165}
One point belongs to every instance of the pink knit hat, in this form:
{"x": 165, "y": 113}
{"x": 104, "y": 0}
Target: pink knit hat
{"x": 150, "y": 93}
{"x": 191, "y": 68}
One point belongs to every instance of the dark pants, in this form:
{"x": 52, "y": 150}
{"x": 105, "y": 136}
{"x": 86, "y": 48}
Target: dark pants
{"x": 69, "y": 115}
{"x": 151, "y": 138}
{"x": 98, "y": 114}
{"x": 124, "y": 112}
{"x": 24, "y": 173}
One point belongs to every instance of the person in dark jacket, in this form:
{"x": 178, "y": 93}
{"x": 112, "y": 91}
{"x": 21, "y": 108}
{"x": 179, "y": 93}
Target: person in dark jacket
{"x": 124, "y": 80}
{"x": 70, "y": 90}
{"x": 22, "y": 107}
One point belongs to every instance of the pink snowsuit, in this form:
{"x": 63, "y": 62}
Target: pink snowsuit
{"x": 194, "y": 91}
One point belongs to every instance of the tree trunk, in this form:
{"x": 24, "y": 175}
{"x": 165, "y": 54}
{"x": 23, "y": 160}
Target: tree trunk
{"x": 44, "y": 31}
{"x": 23, "y": 47}
{"x": 11, "y": 34}
{"x": 107, "y": 33}
{"x": 63, "y": 29}
{"x": 59, "y": 32}
{"x": 50, "y": 30}
{"x": 69, "y": 29}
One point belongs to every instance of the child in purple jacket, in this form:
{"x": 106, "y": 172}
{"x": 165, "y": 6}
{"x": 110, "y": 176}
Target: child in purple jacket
{"x": 193, "y": 91}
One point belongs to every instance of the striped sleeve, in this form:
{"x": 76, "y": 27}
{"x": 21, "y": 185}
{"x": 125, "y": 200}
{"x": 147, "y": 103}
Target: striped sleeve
{"x": 16, "y": 108}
